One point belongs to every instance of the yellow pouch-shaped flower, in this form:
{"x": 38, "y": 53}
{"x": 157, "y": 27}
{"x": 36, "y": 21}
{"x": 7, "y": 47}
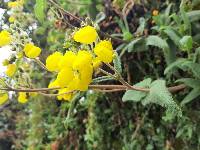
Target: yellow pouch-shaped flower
{"x": 32, "y": 51}
{"x": 11, "y": 69}
{"x": 22, "y": 98}
{"x": 5, "y": 38}
{"x": 86, "y": 35}
{"x": 104, "y": 51}
{"x": 68, "y": 96}
{"x": 52, "y": 61}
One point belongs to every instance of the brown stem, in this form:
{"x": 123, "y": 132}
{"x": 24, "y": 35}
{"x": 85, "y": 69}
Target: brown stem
{"x": 80, "y": 20}
{"x": 66, "y": 12}
{"x": 101, "y": 87}
{"x": 29, "y": 89}
{"x": 50, "y": 95}
{"x": 108, "y": 91}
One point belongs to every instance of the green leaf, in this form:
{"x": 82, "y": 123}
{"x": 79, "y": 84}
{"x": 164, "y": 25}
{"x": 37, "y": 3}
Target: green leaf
{"x": 167, "y": 13}
{"x": 168, "y": 9}
{"x": 160, "y": 95}
{"x": 176, "y": 18}
{"x": 193, "y": 15}
{"x": 197, "y": 52}
{"x": 173, "y": 36}
{"x": 136, "y": 45}
{"x": 185, "y": 131}
{"x": 192, "y": 95}
{"x": 117, "y": 63}
{"x": 185, "y": 18}
{"x": 137, "y": 96}
{"x": 185, "y": 65}
{"x": 174, "y": 65}
{"x": 141, "y": 27}
{"x": 39, "y": 10}
{"x": 194, "y": 83}
{"x": 156, "y": 41}
{"x": 186, "y": 43}
{"x": 193, "y": 67}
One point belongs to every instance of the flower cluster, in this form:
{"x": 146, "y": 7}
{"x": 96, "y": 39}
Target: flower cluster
{"x": 29, "y": 50}
{"x": 75, "y": 69}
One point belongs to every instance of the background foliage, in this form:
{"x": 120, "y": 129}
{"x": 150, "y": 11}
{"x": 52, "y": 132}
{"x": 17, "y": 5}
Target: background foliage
{"x": 155, "y": 51}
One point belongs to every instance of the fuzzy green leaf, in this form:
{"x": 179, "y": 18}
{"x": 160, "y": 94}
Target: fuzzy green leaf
{"x": 173, "y": 36}
{"x": 137, "y": 96}
{"x": 185, "y": 18}
{"x": 117, "y": 63}
{"x": 174, "y": 65}
{"x": 197, "y": 52}
{"x": 160, "y": 95}
{"x": 141, "y": 28}
{"x": 186, "y": 43}
{"x": 193, "y": 83}
{"x": 192, "y": 95}
{"x": 136, "y": 45}
{"x": 193, "y": 67}
{"x": 154, "y": 40}
{"x": 193, "y": 15}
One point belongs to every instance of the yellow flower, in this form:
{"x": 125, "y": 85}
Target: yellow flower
{"x": 82, "y": 60}
{"x": 16, "y": 3}
{"x": 96, "y": 63}
{"x": 65, "y": 76}
{"x": 77, "y": 74}
{"x": 86, "y": 35}
{"x": 5, "y": 38}
{"x": 11, "y": 19}
{"x": 33, "y": 94}
{"x": 11, "y": 69}
{"x": 13, "y": 4}
{"x": 104, "y": 51}
{"x": 32, "y": 51}
{"x": 53, "y": 60}
{"x": 53, "y": 84}
{"x": 22, "y": 98}
{"x": 3, "y": 98}
{"x": 155, "y": 12}
{"x": 68, "y": 96}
